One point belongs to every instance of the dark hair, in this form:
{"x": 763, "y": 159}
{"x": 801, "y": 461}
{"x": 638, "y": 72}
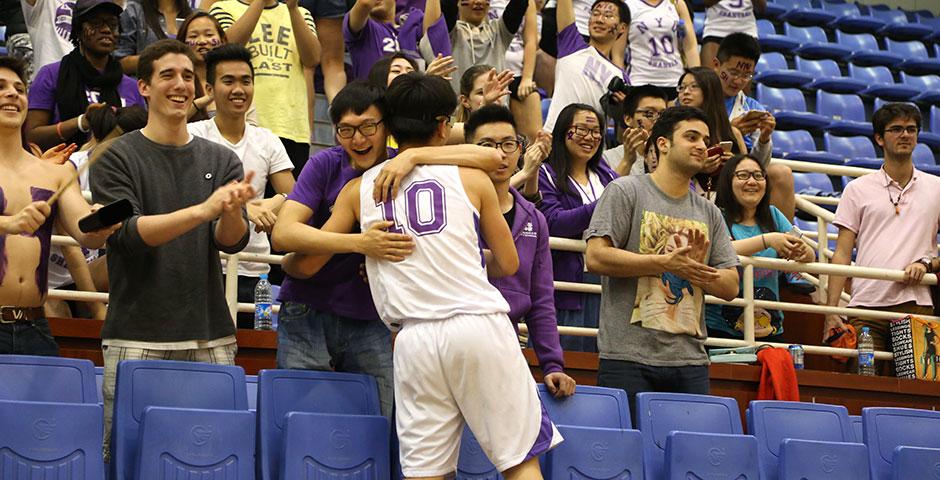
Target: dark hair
{"x": 184, "y": 28}
{"x": 104, "y": 120}
{"x": 357, "y": 97}
{"x": 728, "y": 203}
{"x": 16, "y": 65}
{"x": 466, "y": 88}
{"x": 152, "y": 15}
{"x": 738, "y": 45}
{"x": 558, "y": 158}
{"x": 230, "y": 52}
{"x": 378, "y": 74}
{"x": 156, "y": 51}
{"x": 713, "y": 103}
{"x": 638, "y": 93}
{"x": 666, "y": 125}
{"x": 621, "y": 7}
{"x": 894, "y": 111}
{"x": 485, "y": 115}
{"x": 416, "y": 102}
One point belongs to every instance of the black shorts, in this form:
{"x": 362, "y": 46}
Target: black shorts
{"x": 712, "y": 39}
{"x": 327, "y": 8}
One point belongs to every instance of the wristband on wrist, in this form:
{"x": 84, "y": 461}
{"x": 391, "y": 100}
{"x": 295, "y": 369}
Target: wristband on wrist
{"x": 80, "y": 128}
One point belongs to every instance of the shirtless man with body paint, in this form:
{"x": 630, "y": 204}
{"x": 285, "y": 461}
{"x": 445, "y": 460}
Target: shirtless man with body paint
{"x": 26, "y": 221}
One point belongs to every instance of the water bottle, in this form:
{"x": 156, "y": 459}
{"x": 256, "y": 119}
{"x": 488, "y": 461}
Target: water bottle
{"x": 263, "y": 312}
{"x": 866, "y": 353}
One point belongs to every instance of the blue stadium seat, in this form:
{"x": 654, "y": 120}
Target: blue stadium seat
{"x": 472, "y": 463}
{"x": 251, "y": 388}
{"x": 159, "y": 383}
{"x": 47, "y": 379}
{"x": 829, "y": 460}
{"x": 698, "y": 21}
{"x": 849, "y": 19}
{"x": 590, "y": 407}
{"x": 658, "y": 414}
{"x": 880, "y": 102}
{"x": 196, "y": 443}
{"x": 47, "y": 440}
{"x": 927, "y": 85}
{"x": 856, "y": 421}
{"x": 923, "y": 156}
{"x": 888, "y": 428}
{"x": 898, "y": 26}
{"x": 694, "y": 455}
{"x": 915, "y": 462}
{"x": 3, "y": 35}
{"x": 865, "y": 50}
{"x": 595, "y": 454}
{"x": 881, "y": 83}
{"x": 827, "y": 76}
{"x": 815, "y": 44}
{"x": 811, "y": 183}
{"x": 789, "y": 108}
{"x": 799, "y": 145}
{"x": 321, "y": 446}
{"x": 930, "y": 134}
{"x": 775, "y": 9}
{"x": 772, "y": 69}
{"x": 770, "y": 40}
{"x": 284, "y": 391}
{"x": 99, "y": 383}
{"x": 916, "y": 59}
{"x": 802, "y": 12}
{"x": 850, "y": 148}
{"x": 773, "y": 421}
{"x": 846, "y": 111}
{"x": 546, "y": 102}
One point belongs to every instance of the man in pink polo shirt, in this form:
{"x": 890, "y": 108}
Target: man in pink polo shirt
{"x": 891, "y": 216}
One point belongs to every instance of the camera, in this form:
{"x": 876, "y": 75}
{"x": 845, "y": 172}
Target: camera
{"x": 618, "y": 85}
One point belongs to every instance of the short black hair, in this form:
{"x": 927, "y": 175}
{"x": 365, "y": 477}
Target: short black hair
{"x": 621, "y": 7}
{"x": 378, "y": 74}
{"x": 157, "y": 50}
{"x": 666, "y": 125}
{"x": 16, "y": 65}
{"x": 894, "y": 111}
{"x": 416, "y": 103}
{"x": 738, "y": 45}
{"x": 638, "y": 93}
{"x": 485, "y": 115}
{"x": 357, "y": 97}
{"x": 230, "y": 52}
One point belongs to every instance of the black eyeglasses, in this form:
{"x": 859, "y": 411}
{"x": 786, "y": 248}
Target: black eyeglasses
{"x": 649, "y": 114}
{"x": 743, "y": 175}
{"x": 366, "y": 129}
{"x": 507, "y": 146}
{"x": 897, "y": 130}
{"x": 587, "y": 132}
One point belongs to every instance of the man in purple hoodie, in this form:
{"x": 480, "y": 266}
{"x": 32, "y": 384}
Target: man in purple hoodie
{"x": 530, "y": 292}
{"x": 327, "y": 319}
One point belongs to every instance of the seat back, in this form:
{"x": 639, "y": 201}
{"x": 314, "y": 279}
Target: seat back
{"x": 805, "y": 34}
{"x": 857, "y": 41}
{"x": 873, "y": 75}
{"x": 764, "y": 27}
{"x": 589, "y": 407}
{"x": 320, "y": 446}
{"x": 773, "y": 421}
{"x": 472, "y": 463}
{"x": 803, "y": 182}
{"x": 849, "y": 147}
{"x": 772, "y": 61}
{"x": 196, "y": 443}
{"x": 695, "y": 455}
{"x": 924, "y": 82}
{"x": 595, "y": 454}
{"x": 99, "y": 383}
{"x": 660, "y": 413}
{"x": 820, "y": 68}
{"x": 911, "y": 49}
{"x": 160, "y": 383}
{"x": 778, "y": 99}
{"x": 793, "y": 141}
{"x": 284, "y": 391}
{"x": 251, "y": 388}
{"x": 856, "y": 421}
{"x": 842, "y": 9}
{"x": 888, "y": 428}
{"x": 915, "y": 462}
{"x": 892, "y": 16}
{"x": 840, "y": 106}
{"x": 47, "y": 379}
{"x": 50, "y": 440}
{"x": 923, "y": 156}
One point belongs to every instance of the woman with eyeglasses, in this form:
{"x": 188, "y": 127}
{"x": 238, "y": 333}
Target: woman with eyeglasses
{"x": 570, "y": 181}
{"x": 87, "y": 78}
{"x": 757, "y": 229}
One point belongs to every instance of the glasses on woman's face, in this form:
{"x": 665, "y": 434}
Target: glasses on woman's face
{"x": 507, "y": 146}
{"x": 366, "y": 129}
{"x": 594, "y": 133}
{"x": 743, "y": 175}
{"x": 692, "y": 87}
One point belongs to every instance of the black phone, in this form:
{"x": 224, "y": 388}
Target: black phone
{"x": 106, "y": 216}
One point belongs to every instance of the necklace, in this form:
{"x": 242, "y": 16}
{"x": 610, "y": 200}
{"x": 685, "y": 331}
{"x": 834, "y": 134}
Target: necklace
{"x": 896, "y": 203}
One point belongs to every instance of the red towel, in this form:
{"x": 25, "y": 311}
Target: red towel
{"x": 777, "y": 375}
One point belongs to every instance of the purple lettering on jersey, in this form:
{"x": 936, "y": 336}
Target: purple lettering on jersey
{"x": 736, "y": 4}
{"x": 423, "y": 222}
{"x": 3, "y": 239}
{"x": 44, "y": 234}
{"x": 388, "y": 212}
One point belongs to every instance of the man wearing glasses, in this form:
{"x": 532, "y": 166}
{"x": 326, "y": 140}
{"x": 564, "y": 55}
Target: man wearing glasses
{"x": 641, "y": 109}
{"x": 328, "y": 320}
{"x": 875, "y": 213}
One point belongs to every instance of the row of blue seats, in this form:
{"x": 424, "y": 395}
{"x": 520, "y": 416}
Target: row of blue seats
{"x": 854, "y": 150}
{"x": 856, "y": 18}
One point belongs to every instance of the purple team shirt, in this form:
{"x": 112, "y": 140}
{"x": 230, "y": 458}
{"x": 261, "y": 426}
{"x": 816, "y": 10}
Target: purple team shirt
{"x": 42, "y": 91}
{"x": 337, "y": 288}
{"x": 377, "y": 39}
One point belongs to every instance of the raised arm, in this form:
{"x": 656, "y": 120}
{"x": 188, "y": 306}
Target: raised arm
{"x": 689, "y": 43}
{"x": 514, "y": 13}
{"x": 308, "y": 45}
{"x": 239, "y": 30}
{"x": 358, "y": 15}
{"x": 564, "y": 14}
{"x": 432, "y": 12}
{"x": 464, "y": 155}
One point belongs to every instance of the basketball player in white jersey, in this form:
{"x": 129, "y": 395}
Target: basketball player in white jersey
{"x": 661, "y": 32}
{"x": 456, "y": 356}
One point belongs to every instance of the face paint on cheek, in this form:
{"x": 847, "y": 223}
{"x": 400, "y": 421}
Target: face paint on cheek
{"x": 215, "y": 42}
{"x": 723, "y": 76}
{"x": 570, "y": 135}
{"x": 744, "y": 66}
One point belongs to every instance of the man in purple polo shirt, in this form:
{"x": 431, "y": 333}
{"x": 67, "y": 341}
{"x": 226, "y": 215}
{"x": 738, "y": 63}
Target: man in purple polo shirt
{"x": 372, "y": 30}
{"x": 328, "y": 321}
{"x": 531, "y": 291}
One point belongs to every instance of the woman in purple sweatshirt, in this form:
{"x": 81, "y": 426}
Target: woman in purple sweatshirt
{"x": 571, "y": 180}
{"x": 530, "y": 291}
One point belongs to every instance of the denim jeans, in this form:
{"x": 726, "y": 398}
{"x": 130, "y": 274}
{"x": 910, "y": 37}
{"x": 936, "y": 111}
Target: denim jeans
{"x": 635, "y": 377}
{"x": 313, "y": 340}
{"x": 27, "y": 338}
{"x": 588, "y": 317}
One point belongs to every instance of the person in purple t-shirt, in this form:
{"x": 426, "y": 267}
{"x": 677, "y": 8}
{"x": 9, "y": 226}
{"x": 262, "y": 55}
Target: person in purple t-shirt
{"x": 530, "y": 292}
{"x": 89, "y": 77}
{"x": 327, "y": 320}
{"x": 371, "y": 30}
